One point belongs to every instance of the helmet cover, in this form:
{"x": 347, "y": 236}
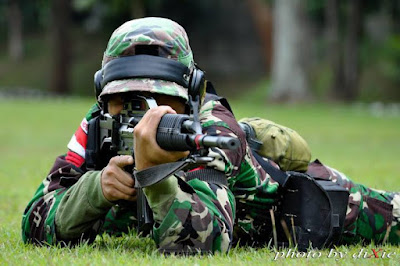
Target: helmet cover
{"x": 171, "y": 42}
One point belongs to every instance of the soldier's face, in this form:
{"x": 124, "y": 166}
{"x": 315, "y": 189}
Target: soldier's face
{"x": 115, "y": 103}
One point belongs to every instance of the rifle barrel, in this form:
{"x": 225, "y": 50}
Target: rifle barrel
{"x": 214, "y": 141}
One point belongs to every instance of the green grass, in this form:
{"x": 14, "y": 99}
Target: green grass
{"x": 34, "y": 132}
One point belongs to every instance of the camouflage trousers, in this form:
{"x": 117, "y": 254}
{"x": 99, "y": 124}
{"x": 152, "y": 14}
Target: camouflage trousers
{"x": 372, "y": 215}
{"x": 202, "y": 216}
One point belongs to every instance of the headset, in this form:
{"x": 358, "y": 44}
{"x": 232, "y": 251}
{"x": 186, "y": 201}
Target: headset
{"x": 150, "y": 66}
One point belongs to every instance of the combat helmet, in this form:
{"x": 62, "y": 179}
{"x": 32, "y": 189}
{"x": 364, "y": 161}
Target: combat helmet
{"x": 147, "y": 38}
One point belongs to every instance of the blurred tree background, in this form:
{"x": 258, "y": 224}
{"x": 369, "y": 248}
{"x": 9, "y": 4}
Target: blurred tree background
{"x": 292, "y": 50}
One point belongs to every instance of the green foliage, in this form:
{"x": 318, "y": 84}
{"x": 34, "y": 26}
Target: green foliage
{"x": 392, "y": 51}
{"x": 350, "y": 138}
{"x": 380, "y": 62}
{"x": 381, "y": 77}
{"x": 82, "y": 5}
{"x": 316, "y": 9}
{"x": 34, "y": 71}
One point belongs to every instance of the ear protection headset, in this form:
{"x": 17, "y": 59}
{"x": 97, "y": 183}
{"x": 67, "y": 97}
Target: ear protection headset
{"x": 149, "y": 66}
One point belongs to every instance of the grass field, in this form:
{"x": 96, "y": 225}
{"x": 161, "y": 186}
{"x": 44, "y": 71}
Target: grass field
{"x": 355, "y": 140}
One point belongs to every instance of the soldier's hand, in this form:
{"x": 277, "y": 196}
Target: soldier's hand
{"x": 147, "y": 152}
{"x": 117, "y": 184}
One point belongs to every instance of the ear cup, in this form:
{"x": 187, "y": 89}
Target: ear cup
{"x": 196, "y": 83}
{"x": 98, "y": 78}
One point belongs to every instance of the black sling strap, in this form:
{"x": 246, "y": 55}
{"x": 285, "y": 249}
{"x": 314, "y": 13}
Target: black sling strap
{"x": 279, "y": 176}
{"x": 155, "y": 174}
{"x": 208, "y": 175}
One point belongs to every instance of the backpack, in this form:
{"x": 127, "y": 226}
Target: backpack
{"x": 281, "y": 144}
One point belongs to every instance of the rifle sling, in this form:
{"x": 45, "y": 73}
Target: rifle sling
{"x": 208, "y": 175}
{"x": 155, "y": 174}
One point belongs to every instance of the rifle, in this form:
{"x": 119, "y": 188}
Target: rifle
{"x": 109, "y": 136}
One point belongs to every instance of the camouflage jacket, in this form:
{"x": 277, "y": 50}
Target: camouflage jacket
{"x": 205, "y": 216}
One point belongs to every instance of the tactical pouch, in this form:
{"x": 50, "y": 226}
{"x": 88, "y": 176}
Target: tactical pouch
{"x": 281, "y": 144}
{"x": 313, "y": 211}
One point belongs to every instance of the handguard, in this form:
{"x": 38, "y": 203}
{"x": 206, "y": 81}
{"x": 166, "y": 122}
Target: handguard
{"x": 174, "y": 134}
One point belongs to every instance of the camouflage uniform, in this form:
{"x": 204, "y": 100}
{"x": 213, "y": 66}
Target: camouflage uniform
{"x": 371, "y": 214}
{"x": 201, "y": 216}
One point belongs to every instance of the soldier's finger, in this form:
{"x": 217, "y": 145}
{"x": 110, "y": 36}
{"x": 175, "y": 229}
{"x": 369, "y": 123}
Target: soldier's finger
{"x": 127, "y": 191}
{"x": 171, "y": 156}
{"x": 131, "y": 198}
{"x": 125, "y": 178}
{"x": 153, "y": 116}
{"x": 122, "y": 160}
{"x": 176, "y": 155}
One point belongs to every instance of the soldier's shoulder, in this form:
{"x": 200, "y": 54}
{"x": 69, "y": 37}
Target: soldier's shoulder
{"x": 94, "y": 111}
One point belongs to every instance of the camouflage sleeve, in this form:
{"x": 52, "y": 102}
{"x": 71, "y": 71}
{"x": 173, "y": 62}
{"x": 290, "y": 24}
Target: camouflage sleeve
{"x": 82, "y": 208}
{"x": 38, "y": 222}
{"x": 200, "y": 216}
{"x": 255, "y": 192}
{"x": 199, "y": 219}
{"x": 372, "y": 215}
